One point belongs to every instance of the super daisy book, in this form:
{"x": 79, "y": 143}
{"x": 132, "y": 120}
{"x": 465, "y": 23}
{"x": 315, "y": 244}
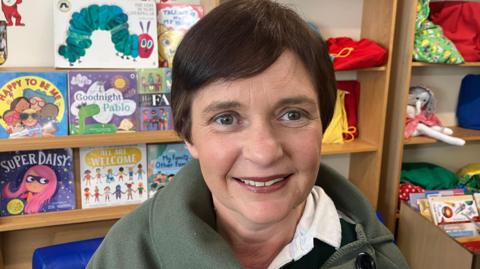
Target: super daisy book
{"x": 36, "y": 181}
{"x": 102, "y": 102}
{"x": 33, "y": 104}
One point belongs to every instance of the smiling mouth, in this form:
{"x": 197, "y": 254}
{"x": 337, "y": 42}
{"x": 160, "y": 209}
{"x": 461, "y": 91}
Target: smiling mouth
{"x": 262, "y": 182}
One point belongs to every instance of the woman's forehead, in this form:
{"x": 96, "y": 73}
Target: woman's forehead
{"x": 285, "y": 77}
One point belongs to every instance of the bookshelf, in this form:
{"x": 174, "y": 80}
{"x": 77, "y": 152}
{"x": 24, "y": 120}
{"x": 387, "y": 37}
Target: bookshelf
{"x": 362, "y": 156}
{"x": 444, "y": 80}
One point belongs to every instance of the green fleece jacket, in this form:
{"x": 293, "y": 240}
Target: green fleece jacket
{"x": 176, "y": 229}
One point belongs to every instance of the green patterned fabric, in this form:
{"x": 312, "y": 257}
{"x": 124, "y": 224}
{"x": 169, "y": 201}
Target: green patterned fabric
{"x": 431, "y": 45}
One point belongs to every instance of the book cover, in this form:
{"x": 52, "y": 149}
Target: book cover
{"x": 173, "y": 22}
{"x": 413, "y": 197}
{"x": 424, "y": 208}
{"x": 33, "y": 104}
{"x": 113, "y": 175}
{"x": 105, "y": 34}
{"x": 154, "y": 87}
{"x": 103, "y": 102}
{"x": 467, "y": 229}
{"x": 36, "y": 181}
{"x": 451, "y": 209}
{"x": 164, "y": 161}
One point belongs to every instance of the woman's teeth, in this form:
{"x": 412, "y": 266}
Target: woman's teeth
{"x": 261, "y": 184}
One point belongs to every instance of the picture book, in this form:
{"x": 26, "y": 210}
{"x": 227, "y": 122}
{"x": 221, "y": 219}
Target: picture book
{"x": 466, "y": 229}
{"x": 424, "y": 208}
{"x": 450, "y": 209}
{"x": 33, "y": 104}
{"x": 164, "y": 161}
{"x": 113, "y": 175}
{"x": 36, "y": 181}
{"x": 103, "y": 102}
{"x": 173, "y": 21}
{"x": 154, "y": 87}
{"x": 105, "y": 34}
{"x": 413, "y": 197}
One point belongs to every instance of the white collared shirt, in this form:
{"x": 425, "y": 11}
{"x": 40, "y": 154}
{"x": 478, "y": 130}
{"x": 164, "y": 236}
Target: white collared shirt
{"x": 320, "y": 220}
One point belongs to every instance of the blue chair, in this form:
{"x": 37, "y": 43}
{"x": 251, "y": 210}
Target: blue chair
{"x": 72, "y": 255}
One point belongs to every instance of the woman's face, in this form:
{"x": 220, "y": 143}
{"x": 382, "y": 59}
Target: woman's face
{"x": 258, "y": 141}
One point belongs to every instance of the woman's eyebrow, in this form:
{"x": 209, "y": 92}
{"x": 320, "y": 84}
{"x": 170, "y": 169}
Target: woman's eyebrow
{"x": 297, "y": 100}
{"x": 221, "y": 105}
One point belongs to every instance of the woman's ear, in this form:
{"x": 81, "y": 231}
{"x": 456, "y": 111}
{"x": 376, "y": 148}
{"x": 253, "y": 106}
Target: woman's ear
{"x": 192, "y": 149}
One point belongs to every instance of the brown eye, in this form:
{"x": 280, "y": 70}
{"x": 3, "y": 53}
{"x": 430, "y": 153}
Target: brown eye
{"x": 291, "y": 116}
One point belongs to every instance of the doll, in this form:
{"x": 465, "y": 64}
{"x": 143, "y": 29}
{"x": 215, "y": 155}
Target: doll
{"x": 421, "y": 118}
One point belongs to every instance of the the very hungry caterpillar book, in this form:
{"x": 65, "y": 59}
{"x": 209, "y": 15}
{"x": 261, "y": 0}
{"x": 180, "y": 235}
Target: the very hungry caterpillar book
{"x": 105, "y": 34}
{"x": 103, "y": 102}
{"x": 33, "y": 104}
{"x": 36, "y": 181}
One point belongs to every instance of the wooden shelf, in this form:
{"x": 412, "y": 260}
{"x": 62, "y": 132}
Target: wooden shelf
{"x": 378, "y": 68}
{"x": 466, "y": 134}
{"x": 78, "y": 141}
{"x": 355, "y": 146}
{"x": 467, "y": 64}
{"x": 64, "y": 217}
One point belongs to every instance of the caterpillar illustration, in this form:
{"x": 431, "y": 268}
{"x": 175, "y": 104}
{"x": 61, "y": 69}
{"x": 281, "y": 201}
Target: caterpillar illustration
{"x": 108, "y": 18}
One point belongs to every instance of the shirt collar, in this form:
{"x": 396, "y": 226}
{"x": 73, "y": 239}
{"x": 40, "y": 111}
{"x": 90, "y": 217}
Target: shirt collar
{"x": 319, "y": 220}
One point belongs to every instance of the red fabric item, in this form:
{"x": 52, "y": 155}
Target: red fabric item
{"x": 349, "y": 54}
{"x": 406, "y": 189}
{"x": 352, "y": 87}
{"x": 412, "y": 123}
{"x": 460, "y": 22}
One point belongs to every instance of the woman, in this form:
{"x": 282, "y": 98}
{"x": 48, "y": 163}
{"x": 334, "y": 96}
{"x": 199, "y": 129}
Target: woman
{"x": 253, "y": 89}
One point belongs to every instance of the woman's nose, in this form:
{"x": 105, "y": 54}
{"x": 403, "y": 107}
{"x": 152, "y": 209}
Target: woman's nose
{"x": 262, "y": 145}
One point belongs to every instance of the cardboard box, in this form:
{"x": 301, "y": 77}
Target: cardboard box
{"x": 427, "y": 246}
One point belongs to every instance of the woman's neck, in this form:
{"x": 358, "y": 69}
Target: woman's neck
{"x": 256, "y": 245}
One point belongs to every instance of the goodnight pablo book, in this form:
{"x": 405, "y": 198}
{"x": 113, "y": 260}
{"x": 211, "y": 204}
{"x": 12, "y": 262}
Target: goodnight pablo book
{"x": 164, "y": 161}
{"x": 33, "y": 104}
{"x": 103, "y": 102}
{"x": 36, "y": 181}
{"x": 154, "y": 87}
{"x": 113, "y": 175}
{"x": 173, "y": 21}
{"x": 105, "y": 34}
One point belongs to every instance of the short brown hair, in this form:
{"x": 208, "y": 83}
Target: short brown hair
{"x": 240, "y": 39}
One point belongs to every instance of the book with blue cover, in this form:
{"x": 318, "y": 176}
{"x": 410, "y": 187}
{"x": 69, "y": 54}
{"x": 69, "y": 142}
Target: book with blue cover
{"x": 164, "y": 161}
{"x": 36, "y": 181}
{"x": 33, "y": 104}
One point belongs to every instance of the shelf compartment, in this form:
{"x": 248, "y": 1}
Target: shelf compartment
{"x": 75, "y": 216}
{"x": 355, "y": 146}
{"x": 467, "y": 64}
{"x": 466, "y": 134}
{"x": 378, "y": 68}
{"x": 78, "y": 141}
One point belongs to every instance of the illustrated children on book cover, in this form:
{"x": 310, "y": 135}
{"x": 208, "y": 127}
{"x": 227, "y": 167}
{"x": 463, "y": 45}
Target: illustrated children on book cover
{"x": 103, "y": 102}
{"x": 36, "y": 181}
{"x": 105, "y": 34}
{"x": 164, "y": 161}
{"x": 154, "y": 87}
{"x": 113, "y": 175}
{"x": 173, "y": 21}
{"x": 33, "y": 104}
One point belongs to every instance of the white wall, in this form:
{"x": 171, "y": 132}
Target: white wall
{"x": 325, "y": 14}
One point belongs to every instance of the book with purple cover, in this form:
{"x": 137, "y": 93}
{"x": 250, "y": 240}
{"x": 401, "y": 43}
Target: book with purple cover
{"x": 103, "y": 102}
{"x": 36, "y": 181}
